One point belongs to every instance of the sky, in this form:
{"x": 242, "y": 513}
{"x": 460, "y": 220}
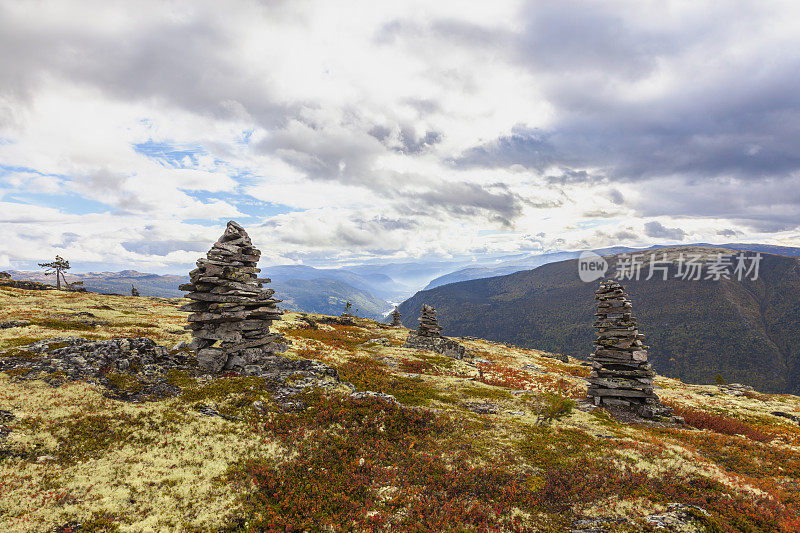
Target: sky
{"x": 347, "y": 132}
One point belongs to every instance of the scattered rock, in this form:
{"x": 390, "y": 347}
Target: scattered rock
{"x": 27, "y": 285}
{"x": 735, "y": 389}
{"x": 372, "y": 394}
{"x": 231, "y": 313}
{"x": 679, "y": 517}
{"x": 6, "y": 416}
{"x": 5, "y": 275}
{"x": 136, "y": 369}
{"x": 558, "y": 356}
{"x": 532, "y": 368}
{"x": 621, "y": 375}
{"x": 210, "y": 411}
{"x": 337, "y": 321}
{"x": 312, "y": 324}
{"x": 129, "y": 369}
{"x": 594, "y": 525}
{"x": 14, "y": 324}
{"x": 790, "y": 416}
{"x": 482, "y": 408}
{"x": 183, "y": 345}
{"x": 383, "y": 341}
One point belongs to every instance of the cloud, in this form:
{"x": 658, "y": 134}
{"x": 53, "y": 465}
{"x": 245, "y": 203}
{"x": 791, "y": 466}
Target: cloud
{"x": 657, "y": 230}
{"x": 524, "y": 146}
{"x": 413, "y": 129}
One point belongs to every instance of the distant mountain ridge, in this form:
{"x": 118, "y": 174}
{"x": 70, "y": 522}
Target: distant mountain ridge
{"x": 747, "y": 331}
{"x": 528, "y": 262}
{"x": 301, "y": 288}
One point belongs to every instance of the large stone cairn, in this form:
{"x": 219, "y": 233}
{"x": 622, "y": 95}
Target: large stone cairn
{"x": 429, "y": 337}
{"x": 231, "y": 313}
{"x": 621, "y": 375}
{"x": 428, "y": 325}
{"x": 396, "y": 318}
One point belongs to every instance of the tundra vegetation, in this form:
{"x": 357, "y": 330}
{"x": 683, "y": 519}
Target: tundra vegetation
{"x": 494, "y": 442}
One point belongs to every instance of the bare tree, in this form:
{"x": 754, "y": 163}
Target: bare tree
{"x": 57, "y": 267}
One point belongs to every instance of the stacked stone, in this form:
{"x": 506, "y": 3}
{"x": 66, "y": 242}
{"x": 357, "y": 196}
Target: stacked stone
{"x": 134, "y": 291}
{"x": 396, "y": 318}
{"x": 231, "y": 313}
{"x": 429, "y": 337}
{"x": 428, "y": 325}
{"x": 620, "y": 372}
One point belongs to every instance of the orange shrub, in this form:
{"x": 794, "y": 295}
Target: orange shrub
{"x": 720, "y": 423}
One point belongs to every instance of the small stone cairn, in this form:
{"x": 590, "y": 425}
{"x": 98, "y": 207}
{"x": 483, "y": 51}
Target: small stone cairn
{"x": 134, "y": 291}
{"x": 621, "y": 375}
{"x": 231, "y": 313}
{"x": 428, "y": 324}
{"x": 428, "y": 336}
{"x": 396, "y": 318}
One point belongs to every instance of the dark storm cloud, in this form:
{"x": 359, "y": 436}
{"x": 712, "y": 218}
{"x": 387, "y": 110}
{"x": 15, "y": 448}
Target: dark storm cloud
{"x": 657, "y": 230}
{"x": 404, "y": 139}
{"x": 464, "y": 200}
{"x": 767, "y": 204}
{"x": 525, "y": 146}
{"x": 615, "y": 196}
{"x": 183, "y": 62}
{"x": 727, "y": 117}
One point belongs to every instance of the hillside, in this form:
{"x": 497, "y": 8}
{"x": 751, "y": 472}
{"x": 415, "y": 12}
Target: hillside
{"x": 747, "y": 331}
{"x": 164, "y": 286}
{"x": 492, "y": 442}
{"x": 327, "y": 296}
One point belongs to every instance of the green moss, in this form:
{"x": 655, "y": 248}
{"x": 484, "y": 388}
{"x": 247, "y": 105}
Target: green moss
{"x": 124, "y": 382}
{"x": 18, "y": 371}
{"x": 100, "y": 522}
{"x": 487, "y": 393}
{"x": 546, "y": 448}
{"x": 18, "y": 341}
{"x": 180, "y": 378}
{"x": 135, "y": 325}
{"x": 64, "y": 325}
{"x": 604, "y": 418}
{"x": 368, "y": 374}
{"x": 442, "y": 361}
{"x": 91, "y": 436}
{"x": 223, "y": 387}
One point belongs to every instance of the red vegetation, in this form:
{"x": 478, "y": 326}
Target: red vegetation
{"x": 720, "y": 423}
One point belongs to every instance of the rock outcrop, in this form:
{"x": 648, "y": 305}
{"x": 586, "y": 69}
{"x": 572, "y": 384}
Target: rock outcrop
{"x": 429, "y": 337}
{"x": 396, "y": 318}
{"x": 138, "y": 370}
{"x": 231, "y": 313}
{"x": 621, "y": 375}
